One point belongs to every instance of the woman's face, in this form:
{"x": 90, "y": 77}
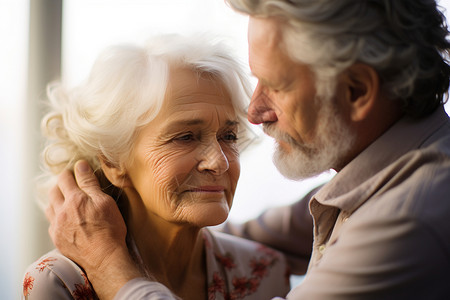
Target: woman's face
{"x": 185, "y": 163}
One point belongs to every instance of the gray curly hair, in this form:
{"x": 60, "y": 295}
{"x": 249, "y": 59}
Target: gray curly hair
{"x": 404, "y": 41}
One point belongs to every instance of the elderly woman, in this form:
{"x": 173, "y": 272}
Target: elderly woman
{"x": 160, "y": 126}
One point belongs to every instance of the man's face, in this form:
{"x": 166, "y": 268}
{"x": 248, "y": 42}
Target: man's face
{"x": 311, "y": 137}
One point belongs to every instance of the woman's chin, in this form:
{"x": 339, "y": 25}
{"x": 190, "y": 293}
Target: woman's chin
{"x": 210, "y": 214}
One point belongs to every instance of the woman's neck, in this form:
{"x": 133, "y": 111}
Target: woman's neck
{"x": 173, "y": 254}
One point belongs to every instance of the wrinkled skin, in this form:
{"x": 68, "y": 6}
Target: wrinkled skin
{"x": 86, "y": 226}
{"x": 181, "y": 176}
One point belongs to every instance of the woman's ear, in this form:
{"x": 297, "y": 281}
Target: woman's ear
{"x": 362, "y": 90}
{"x": 116, "y": 175}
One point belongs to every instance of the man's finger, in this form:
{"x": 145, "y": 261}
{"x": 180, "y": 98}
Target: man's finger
{"x": 85, "y": 178}
{"x": 67, "y": 186}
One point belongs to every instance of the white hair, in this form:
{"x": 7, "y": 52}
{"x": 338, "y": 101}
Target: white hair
{"x": 124, "y": 91}
{"x": 404, "y": 41}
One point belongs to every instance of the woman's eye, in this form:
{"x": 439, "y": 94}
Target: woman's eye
{"x": 230, "y": 136}
{"x": 185, "y": 137}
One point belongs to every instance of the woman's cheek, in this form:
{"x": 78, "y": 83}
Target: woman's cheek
{"x": 232, "y": 154}
{"x": 235, "y": 170}
{"x": 172, "y": 169}
{"x": 159, "y": 186}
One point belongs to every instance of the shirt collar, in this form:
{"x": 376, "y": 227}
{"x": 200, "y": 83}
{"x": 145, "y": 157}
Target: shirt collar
{"x": 354, "y": 184}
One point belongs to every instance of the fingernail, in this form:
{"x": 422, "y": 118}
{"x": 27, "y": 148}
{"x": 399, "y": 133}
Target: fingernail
{"x": 82, "y": 166}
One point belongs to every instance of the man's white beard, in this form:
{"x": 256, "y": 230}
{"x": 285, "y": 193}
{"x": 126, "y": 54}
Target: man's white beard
{"x": 332, "y": 142}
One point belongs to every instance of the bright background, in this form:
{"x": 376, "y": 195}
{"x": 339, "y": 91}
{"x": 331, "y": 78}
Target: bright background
{"x": 88, "y": 27}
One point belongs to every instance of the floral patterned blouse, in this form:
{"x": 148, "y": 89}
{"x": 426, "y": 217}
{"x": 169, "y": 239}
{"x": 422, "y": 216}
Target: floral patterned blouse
{"x": 236, "y": 269}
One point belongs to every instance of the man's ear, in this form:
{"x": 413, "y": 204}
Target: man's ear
{"x": 116, "y": 175}
{"x": 362, "y": 90}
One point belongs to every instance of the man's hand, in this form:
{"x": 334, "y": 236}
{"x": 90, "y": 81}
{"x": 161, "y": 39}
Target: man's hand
{"x": 86, "y": 226}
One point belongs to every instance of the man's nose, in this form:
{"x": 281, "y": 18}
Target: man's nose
{"x": 261, "y": 108}
{"x": 213, "y": 160}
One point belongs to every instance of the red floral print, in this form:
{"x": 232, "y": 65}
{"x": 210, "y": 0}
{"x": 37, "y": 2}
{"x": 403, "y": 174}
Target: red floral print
{"x": 259, "y": 267}
{"x": 83, "y": 291}
{"x": 240, "y": 285}
{"x": 45, "y": 263}
{"x": 216, "y": 286}
{"x": 253, "y": 284}
{"x": 241, "y": 277}
{"x": 225, "y": 260}
{"x": 244, "y": 286}
{"x": 27, "y": 284}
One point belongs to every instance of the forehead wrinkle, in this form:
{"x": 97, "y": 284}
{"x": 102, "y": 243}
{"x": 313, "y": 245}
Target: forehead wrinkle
{"x": 229, "y": 116}
{"x": 265, "y": 54}
{"x": 186, "y": 90}
{"x": 193, "y": 122}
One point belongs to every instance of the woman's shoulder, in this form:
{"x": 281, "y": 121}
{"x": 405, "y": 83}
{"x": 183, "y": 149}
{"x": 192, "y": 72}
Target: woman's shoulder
{"x": 54, "y": 276}
{"x": 244, "y": 268}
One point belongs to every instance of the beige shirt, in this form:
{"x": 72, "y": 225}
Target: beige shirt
{"x": 381, "y": 225}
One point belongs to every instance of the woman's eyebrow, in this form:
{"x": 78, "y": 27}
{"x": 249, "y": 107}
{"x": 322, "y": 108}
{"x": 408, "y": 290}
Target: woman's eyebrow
{"x": 176, "y": 125}
{"x": 232, "y": 123}
{"x": 192, "y": 122}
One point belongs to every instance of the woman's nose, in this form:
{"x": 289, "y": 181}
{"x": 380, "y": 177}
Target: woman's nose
{"x": 261, "y": 108}
{"x": 213, "y": 160}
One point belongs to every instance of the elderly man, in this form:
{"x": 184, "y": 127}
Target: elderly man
{"x": 356, "y": 86}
